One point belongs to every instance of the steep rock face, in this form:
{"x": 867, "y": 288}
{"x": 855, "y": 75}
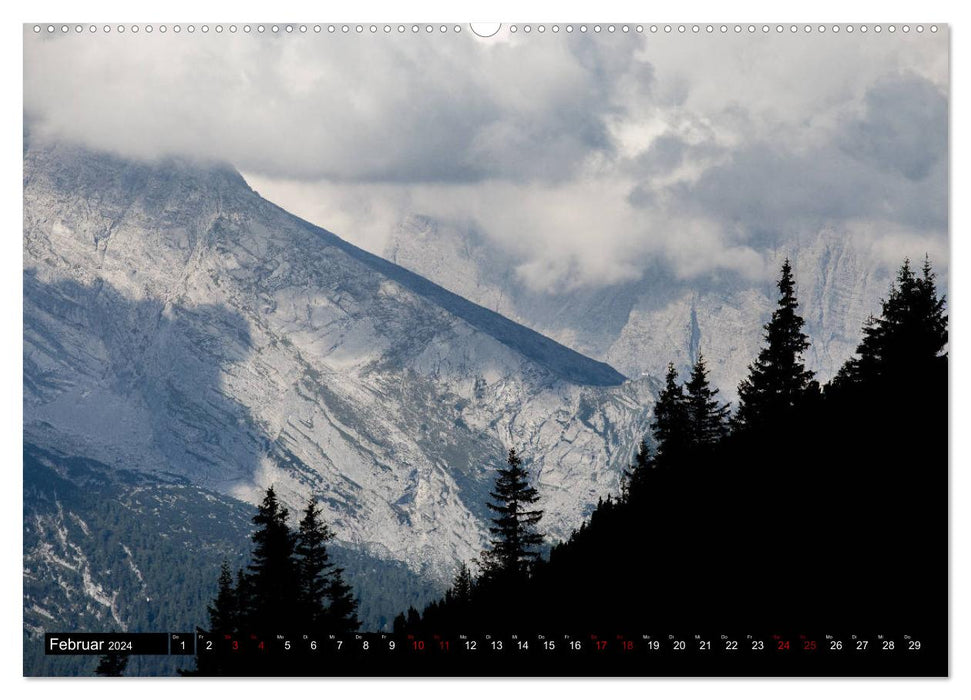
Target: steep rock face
{"x": 837, "y": 288}
{"x": 640, "y": 326}
{"x": 176, "y": 321}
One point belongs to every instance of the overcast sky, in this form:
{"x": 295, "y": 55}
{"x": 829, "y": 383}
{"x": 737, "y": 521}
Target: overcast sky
{"x": 585, "y": 156}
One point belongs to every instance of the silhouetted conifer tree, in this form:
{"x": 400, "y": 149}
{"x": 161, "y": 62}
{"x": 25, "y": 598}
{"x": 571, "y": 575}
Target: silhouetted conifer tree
{"x": 462, "y": 586}
{"x": 778, "y": 379}
{"x": 243, "y": 597}
{"x": 636, "y": 474}
{"x": 400, "y": 624}
{"x": 342, "y": 611}
{"x": 326, "y": 600}
{"x": 670, "y": 424}
{"x": 272, "y": 581}
{"x": 290, "y": 586}
{"x": 910, "y": 332}
{"x": 706, "y": 416}
{"x": 515, "y": 541}
{"x": 224, "y": 619}
{"x": 313, "y": 565}
{"x": 224, "y": 610}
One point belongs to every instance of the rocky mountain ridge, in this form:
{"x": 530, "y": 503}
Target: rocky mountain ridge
{"x": 175, "y": 321}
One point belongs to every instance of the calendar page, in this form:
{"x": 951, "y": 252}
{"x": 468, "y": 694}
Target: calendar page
{"x": 592, "y": 349}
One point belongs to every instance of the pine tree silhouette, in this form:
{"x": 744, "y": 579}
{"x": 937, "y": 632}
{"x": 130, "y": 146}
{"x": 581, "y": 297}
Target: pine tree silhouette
{"x": 400, "y": 624}
{"x": 291, "y": 585}
{"x": 224, "y": 610}
{"x": 932, "y": 338}
{"x": 778, "y": 379}
{"x": 910, "y": 332}
{"x": 224, "y": 619}
{"x": 313, "y": 566}
{"x": 341, "y": 614}
{"x": 515, "y": 543}
{"x": 463, "y": 585}
{"x": 707, "y": 417}
{"x": 244, "y": 595}
{"x": 272, "y": 580}
{"x": 635, "y": 476}
{"x": 670, "y": 424}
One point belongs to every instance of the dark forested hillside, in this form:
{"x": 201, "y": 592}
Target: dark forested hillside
{"x": 811, "y": 510}
{"x": 113, "y": 550}
{"x": 823, "y": 510}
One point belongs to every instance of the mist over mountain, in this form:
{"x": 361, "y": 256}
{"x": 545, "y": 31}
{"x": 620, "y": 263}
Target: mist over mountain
{"x": 640, "y": 326}
{"x": 175, "y": 321}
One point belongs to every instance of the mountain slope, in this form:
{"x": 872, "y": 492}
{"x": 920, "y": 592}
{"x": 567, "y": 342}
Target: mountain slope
{"x": 108, "y": 548}
{"x": 640, "y": 326}
{"x": 176, "y": 321}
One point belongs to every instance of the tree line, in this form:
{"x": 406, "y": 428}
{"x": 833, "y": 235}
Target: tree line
{"x": 809, "y": 505}
{"x": 290, "y": 586}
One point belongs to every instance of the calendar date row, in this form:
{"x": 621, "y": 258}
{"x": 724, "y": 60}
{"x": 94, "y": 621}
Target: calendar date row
{"x": 589, "y": 644}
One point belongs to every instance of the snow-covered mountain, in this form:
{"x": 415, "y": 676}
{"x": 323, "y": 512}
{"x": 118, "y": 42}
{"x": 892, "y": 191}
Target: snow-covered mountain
{"x": 640, "y": 326}
{"x": 175, "y": 321}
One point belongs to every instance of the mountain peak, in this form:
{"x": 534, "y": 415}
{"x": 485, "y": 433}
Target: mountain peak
{"x": 176, "y": 321}
{"x": 180, "y": 187}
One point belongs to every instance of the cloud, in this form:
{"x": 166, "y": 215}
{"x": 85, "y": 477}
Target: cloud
{"x": 586, "y": 159}
{"x": 903, "y": 129}
{"x": 381, "y": 108}
{"x": 886, "y": 163}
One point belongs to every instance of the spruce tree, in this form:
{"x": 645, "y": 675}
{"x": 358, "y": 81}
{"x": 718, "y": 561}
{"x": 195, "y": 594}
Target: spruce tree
{"x": 931, "y": 337}
{"x": 635, "y": 476}
{"x": 670, "y": 424}
{"x": 244, "y": 595}
{"x": 326, "y": 601}
{"x": 342, "y": 609}
{"x": 272, "y": 580}
{"x": 224, "y": 611}
{"x": 909, "y": 334}
{"x": 515, "y": 542}
{"x": 313, "y": 565}
{"x": 706, "y": 416}
{"x": 224, "y": 619}
{"x": 462, "y": 585}
{"x": 778, "y": 379}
